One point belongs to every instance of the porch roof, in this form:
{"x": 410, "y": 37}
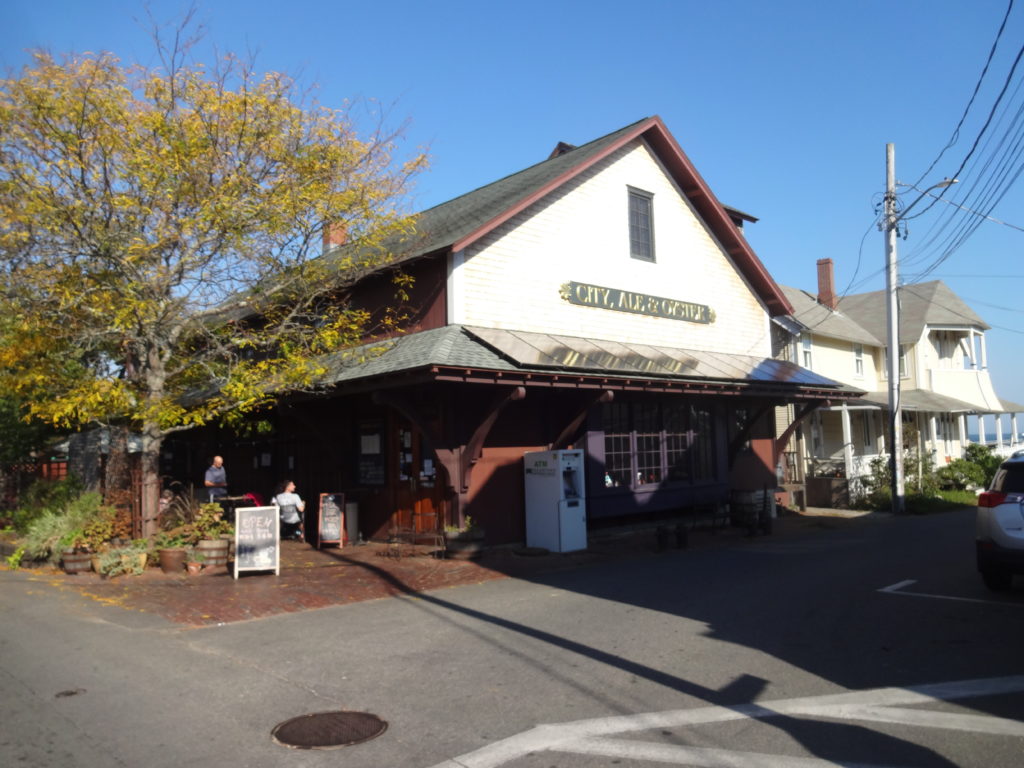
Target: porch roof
{"x": 489, "y": 355}
{"x": 923, "y": 400}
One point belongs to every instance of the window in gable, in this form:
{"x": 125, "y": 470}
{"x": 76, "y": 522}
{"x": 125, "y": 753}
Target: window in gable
{"x": 806, "y": 360}
{"x": 858, "y": 360}
{"x": 641, "y": 224}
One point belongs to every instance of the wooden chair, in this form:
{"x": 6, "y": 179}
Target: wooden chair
{"x": 423, "y": 528}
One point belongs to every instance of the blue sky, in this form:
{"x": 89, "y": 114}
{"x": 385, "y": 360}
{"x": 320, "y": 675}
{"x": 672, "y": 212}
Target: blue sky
{"x": 785, "y": 107}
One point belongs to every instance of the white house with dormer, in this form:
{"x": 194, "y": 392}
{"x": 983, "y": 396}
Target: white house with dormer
{"x": 944, "y": 378}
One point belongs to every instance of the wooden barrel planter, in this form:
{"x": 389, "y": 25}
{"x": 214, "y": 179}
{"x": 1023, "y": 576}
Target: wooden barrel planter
{"x": 76, "y": 562}
{"x": 464, "y": 545}
{"x": 214, "y": 552}
{"x": 172, "y": 560}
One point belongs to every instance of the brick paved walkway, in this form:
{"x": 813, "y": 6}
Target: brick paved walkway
{"x": 312, "y": 579}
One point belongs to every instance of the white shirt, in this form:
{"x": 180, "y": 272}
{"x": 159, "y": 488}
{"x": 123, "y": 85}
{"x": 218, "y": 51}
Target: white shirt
{"x": 290, "y": 499}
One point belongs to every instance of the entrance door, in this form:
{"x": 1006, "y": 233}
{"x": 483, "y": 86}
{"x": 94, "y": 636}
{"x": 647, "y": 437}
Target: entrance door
{"x": 418, "y": 502}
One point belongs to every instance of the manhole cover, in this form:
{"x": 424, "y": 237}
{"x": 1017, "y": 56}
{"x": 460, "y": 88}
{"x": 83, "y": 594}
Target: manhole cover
{"x": 328, "y": 730}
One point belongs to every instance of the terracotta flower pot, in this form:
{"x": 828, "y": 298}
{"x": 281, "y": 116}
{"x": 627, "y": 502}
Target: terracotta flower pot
{"x": 172, "y": 560}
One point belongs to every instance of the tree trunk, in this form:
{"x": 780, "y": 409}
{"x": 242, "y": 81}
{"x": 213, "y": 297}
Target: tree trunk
{"x": 152, "y": 440}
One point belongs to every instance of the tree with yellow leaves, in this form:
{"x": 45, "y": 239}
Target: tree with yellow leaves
{"x": 160, "y": 238}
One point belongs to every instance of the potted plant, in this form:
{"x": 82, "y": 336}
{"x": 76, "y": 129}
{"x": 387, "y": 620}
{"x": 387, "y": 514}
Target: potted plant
{"x": 75, "y": 555}
{"x": 170, "y": 548}
{"x": 137, "y": 555}
{"x": 66, "y": 530}
{"x": 468, "y": 531}
{"x": 122, "y": 560}
{"x": 465, "y": 541}
{"x": 212, "y": 534}
{"x": 194, "y": 561}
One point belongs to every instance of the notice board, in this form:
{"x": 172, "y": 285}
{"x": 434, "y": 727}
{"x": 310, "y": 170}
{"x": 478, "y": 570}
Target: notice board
{"x": 330, "y": 528}
{"x": 257, "y": 540}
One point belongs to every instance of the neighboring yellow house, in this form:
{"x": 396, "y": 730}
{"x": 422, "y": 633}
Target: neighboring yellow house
{"x": 944, "y": 379}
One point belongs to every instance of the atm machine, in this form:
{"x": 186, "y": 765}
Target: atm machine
{"x": 556, "y": 510}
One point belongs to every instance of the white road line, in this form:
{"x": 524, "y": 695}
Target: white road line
{"x": 898, "y": 585}
{"x": 700, "y": 757}
{"x": 894, "y": 589}
{"x": 997, "y": 726}
{"x": 885, "y": 705}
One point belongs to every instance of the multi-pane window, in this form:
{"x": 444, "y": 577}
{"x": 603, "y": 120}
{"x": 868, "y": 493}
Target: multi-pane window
{"x": 805, "y": 345}
{"x": 677, "y": 442}
{"x": 618, "y": 446}
{"x": 858, "y": 360}
{"x": 702, "y": 443}
{"x": 903, "y": 363}
{"x": 648, "y": 432}
{"x": 641, "y": 225}
{"x": 646, "y": 443}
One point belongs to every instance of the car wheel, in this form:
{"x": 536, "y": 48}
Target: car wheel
{"x": 996, "y": 579}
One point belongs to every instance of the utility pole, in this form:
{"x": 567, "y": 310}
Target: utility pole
{"x": 893, "y": 340}
{"x": 890, "y": 225}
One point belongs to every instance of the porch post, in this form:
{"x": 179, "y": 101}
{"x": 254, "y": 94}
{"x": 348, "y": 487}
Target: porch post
{"x": 961, "y": 433}
{"x": 847, "y": 442}
{"x": 999, "y": 430}
{"x": 1013, "y": 429}
{"x": 982, "y": 437}
{"x": 933, "y": 435}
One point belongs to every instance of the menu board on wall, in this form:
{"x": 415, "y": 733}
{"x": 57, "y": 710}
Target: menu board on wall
{"x": 371, "y": 454}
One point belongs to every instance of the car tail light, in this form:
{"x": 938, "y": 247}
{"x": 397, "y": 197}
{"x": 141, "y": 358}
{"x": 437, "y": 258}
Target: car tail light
{"x": 991, "y": 499}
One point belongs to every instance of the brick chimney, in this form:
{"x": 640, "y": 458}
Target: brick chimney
{"x": 335, "y": 235}
{"x": 827, "y": 284}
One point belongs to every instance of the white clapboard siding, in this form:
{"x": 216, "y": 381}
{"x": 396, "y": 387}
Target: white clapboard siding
{"x": 511, "y": 278}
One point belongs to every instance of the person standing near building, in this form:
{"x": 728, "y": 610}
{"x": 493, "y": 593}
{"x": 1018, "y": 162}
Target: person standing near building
{"x": 292, "y": 507}
{"x": 216, "y": 480}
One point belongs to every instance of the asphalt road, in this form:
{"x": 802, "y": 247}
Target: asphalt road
{"x": 869, "y": 643}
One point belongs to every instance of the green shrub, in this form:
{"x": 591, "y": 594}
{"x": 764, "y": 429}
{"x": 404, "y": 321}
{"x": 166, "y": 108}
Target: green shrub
{"x": 42, "y": 496}
{"x": 55, "y": 530}
{"x": 959, "y": 474}
{"x": 989, "y": 462}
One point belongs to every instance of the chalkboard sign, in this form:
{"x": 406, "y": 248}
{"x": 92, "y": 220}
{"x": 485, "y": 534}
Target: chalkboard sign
{"x": 330, "y": 525}
{"x": 257, "y": 539}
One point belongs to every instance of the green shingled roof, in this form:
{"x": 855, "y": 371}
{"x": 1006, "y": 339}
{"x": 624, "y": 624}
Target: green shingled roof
{"x": 818, "y": 318}
{"x": 445, "y": 346}
{"x": 448, "y": 223}
{"x": 481, "y": 349}
{"x": 861, "y": 317}
{"x": 921, "y": 304}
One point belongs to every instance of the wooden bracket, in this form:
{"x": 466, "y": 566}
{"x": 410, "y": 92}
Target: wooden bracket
{"x": 573, "y": 426}
{"x": 807, "y": 410}
{"x": 474, "y": 447}
{"x": 744, "y": 434}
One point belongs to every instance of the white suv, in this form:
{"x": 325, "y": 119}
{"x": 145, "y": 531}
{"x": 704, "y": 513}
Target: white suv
{"x": 999, "y": 533}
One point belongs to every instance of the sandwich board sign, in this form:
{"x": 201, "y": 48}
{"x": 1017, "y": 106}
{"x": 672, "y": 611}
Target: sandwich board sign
{"x": 331, "y": 518}
{"x": 257, "y": 540}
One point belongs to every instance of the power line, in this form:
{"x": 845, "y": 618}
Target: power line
{"x": 989, "y": 169}
{"x": 940, "y": 199}
{"x": 977, "y": 87}
{"x": 985, "y": 276}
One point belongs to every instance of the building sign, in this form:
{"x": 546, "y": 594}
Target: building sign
{"x": 586, "y": 295}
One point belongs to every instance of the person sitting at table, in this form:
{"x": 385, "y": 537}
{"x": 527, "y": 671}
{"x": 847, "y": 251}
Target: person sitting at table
{"x": 292, "y": 507}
